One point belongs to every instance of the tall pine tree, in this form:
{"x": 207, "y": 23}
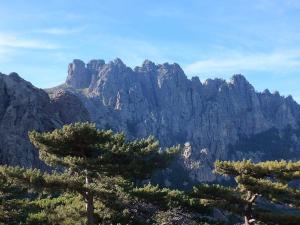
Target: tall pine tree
{"x": 83, "y": 156}
{"x": 270, "y": 180}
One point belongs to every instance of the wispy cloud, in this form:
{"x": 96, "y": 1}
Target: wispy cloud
{"x": 5, "y": 54}
{"x": 277, "y": 6}
{"x": 13, "y": 41}
{"x": 239, "y": 63}
{"x": 61, "y": 31}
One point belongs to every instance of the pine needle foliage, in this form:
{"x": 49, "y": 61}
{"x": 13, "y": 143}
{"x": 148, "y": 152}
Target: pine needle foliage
{"x": 92, "y": 162}
{"x": 268, "y": 180}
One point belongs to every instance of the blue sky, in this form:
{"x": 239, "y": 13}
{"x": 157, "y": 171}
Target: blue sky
{"x": 258, "y": 38}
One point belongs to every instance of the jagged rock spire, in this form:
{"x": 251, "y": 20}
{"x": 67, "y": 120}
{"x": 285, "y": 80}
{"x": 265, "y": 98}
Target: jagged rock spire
{"x": 78, "y": 75}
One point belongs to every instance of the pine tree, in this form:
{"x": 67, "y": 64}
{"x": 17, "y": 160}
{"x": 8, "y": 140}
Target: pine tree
{"x": 270, "y": 180}
{"x": 84, "y": 156}
{"x": 11, "y": 208}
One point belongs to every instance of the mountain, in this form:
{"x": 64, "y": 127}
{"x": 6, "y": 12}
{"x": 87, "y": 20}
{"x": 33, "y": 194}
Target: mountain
{"x": 213, "y": 120}
{"x": 23, "y": 108}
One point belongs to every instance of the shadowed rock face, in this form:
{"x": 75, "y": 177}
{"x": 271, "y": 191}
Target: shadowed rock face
{"x": 216, "y": 119}
{"x": 210, "y": 116}
{"x": 24, "y": 108}
{"x": 68, "y": 107}
{"x": 79, "y": 75}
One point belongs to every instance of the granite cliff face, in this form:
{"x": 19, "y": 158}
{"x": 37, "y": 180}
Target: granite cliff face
{"x": 213, "y": 119}
{"x": 216, "y": 119}
{"x": 24, "y": 108}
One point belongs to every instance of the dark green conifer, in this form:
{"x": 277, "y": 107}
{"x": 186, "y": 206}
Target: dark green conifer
{"x": 87, "y": 156}
{"x": 270, "y": 180}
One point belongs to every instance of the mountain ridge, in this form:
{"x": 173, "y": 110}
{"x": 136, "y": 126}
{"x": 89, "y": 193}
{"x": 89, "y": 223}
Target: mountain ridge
{"x": 148, "y": 66}
{"x": 160, "y": 99}
{"x": 23, "y": 108}
{"x": 211, "y": 119}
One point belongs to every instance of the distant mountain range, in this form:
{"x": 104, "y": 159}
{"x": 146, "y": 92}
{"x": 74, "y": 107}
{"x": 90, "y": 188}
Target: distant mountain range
{"x": 212, "y": 120}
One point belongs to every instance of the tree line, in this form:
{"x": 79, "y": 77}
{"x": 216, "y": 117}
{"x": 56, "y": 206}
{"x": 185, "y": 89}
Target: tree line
{"x": 97, "y": 178}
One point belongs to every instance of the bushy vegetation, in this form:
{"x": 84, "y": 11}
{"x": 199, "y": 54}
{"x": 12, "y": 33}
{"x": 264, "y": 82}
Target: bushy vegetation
{"x": 98, "y": 175}
{"x": 95, "y": 165}
{"x": 265, "y": 181}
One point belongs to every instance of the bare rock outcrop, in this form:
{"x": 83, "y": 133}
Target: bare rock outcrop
{"x": 214, "y": 119}
{"x": 212, "y": 116}
{"x": 23, "y": 108}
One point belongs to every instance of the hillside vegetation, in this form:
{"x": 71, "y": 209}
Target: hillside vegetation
{"x": 99, "y": 177}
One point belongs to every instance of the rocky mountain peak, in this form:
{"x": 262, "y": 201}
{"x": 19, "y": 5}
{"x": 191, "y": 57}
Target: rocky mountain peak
{"x": 241, "y": 85}
{"x": 216, "y": 117}
{"x": 240, "y": 81}
{"x": 114, "y": 68}
{"x": 95, "y": 65}
{"x": 81, "y": 75}
{"x": 117, "y": 62}
{"x": 214, "y": 84}
{"x": 171, "y": 69}
{"x": 148, "y": 63}
{"x": 23, "y": 108}
{"x": 196, "y": 81}
{"x": 78, "y": 75}
{"x": 14, "y": 75}
{"x": 147, "y": 66}
{"x": 238, "y": 78}
{"x": 266, "y": 92}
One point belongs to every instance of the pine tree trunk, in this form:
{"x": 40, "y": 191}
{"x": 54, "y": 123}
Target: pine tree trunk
{"x": 247, "y": 220}
{"x": 89, "y": 206}
{"x": 249, "y": 208}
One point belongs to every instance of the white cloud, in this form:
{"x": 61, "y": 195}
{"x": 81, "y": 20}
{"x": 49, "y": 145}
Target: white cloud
{"x": 5, "y": 54}
{"x": 239, "y": 63}
{"x": 61, "y": 31}
{"x": 12, "y": 41}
